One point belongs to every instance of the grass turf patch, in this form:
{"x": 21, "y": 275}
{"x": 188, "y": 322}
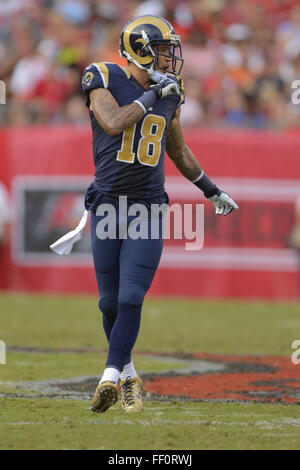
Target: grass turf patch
{"x": 167, "y": 325}
{"x": 62, "y": 424}
{"x": 40, "y": 366}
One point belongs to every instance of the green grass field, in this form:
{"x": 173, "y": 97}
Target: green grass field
{"x": 61, "y": 338}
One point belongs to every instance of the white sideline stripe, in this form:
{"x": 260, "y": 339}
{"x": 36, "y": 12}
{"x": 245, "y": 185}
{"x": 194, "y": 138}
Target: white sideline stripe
{"x": 244, "y": 189}
{"x": 253, "y": 259}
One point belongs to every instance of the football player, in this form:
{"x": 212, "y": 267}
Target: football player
{"x": 135, "y": 117}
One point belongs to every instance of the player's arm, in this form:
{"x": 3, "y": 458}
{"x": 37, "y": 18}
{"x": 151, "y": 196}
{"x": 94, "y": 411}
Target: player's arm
{"x": 188, "y": 165}
{"x": 179, "y": 152}
{"x": 114, "y": 119}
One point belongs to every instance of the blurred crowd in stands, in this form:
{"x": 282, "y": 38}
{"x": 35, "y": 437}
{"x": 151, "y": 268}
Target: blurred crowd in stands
{"x": 240, "y": 58}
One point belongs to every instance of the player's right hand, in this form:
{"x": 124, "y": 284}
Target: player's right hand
{"x": 166, "y": 86}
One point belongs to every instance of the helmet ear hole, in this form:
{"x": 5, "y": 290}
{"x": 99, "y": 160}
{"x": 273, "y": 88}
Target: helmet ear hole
{"x": 146, "y": 51}
{"x": 142, "y": 52}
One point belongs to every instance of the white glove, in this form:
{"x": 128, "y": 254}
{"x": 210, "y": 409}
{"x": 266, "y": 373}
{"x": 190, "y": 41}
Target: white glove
{"x": 166, "y": 87}
{"x": 223, "y": 203}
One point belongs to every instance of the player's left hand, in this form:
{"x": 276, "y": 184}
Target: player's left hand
{"x": 223, "y": 203}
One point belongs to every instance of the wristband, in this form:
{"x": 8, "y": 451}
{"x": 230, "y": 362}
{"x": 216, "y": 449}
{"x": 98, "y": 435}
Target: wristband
{"x": 206, "y": 185}
{"x": 146, "y": 100}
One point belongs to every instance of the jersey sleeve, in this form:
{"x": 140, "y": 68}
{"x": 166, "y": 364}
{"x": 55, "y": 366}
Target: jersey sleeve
{"x": 94, "y": 76}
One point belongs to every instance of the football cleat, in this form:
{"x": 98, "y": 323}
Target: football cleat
{"x": 105, "y": 396}
{"x": 131, "y": 394}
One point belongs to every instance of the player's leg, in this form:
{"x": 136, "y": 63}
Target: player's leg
{"x": 139, "y": 260}
{"x": 106, "y": 262}
{"x": 138, "y": 263}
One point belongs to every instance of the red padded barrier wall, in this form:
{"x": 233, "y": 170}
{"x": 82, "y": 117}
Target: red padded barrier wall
{"x": 244, "y": 255}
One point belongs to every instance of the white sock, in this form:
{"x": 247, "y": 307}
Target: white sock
{"x": 128, "y": 371}
{"x": 111, "y": 374}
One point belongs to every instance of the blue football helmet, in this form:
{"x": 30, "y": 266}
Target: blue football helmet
{"x": 144, "y": 33}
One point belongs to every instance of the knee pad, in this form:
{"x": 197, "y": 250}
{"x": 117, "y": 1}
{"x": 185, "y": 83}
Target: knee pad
{"x": 108, "y": 306}
{"x": 132, "y": 295}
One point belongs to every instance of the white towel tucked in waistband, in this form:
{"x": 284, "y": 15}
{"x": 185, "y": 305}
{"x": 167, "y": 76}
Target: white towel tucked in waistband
{"x": 64, "y": 245}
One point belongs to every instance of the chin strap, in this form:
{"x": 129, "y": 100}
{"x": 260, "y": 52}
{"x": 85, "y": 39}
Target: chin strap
{"x": 155, "y": 75}
{"x": 131, "y": 59}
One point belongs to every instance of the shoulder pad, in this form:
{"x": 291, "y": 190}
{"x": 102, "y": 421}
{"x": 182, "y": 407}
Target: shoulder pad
{"x": 102, "y": 75}
{"x": 116, "y": 70}
{"x": 92, "y": 78}
{"x": 95, "y": 76}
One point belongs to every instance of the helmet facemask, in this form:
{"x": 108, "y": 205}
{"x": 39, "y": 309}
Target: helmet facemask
{"x": 175, "y": 53}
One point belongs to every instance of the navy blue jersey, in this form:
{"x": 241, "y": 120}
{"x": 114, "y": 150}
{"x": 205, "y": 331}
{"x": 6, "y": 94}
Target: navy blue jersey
{"x": 131, "y": 163}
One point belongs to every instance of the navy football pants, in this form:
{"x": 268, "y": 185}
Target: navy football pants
{"x": 124, "y": 270}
